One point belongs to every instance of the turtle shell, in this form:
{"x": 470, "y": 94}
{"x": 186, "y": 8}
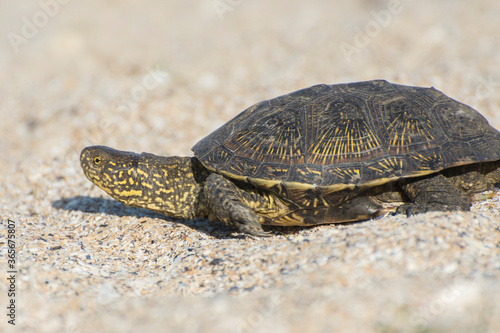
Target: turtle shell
{"x": 349, "y": 135}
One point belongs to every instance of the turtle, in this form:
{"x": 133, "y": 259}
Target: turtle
{"x": 324, "y": 154}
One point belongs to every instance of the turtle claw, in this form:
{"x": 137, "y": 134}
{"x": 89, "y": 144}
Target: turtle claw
{"x": 249, "y": 225}
{"x": 254, "y": 229}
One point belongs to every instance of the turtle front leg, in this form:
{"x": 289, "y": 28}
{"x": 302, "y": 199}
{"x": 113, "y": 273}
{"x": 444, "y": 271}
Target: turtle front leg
{"x": 435, "y": 193}
{"x": 227, "y": 204}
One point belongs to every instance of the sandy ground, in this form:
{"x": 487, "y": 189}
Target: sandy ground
{"x": 156, "y": 76}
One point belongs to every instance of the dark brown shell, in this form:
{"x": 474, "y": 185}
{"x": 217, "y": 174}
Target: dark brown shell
{"x": 349, "y": 135}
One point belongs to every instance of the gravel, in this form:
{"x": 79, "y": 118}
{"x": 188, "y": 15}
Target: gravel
{"x": 155, "y": 76}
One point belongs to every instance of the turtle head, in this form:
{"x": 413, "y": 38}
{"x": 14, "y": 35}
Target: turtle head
{"x": 168, "y": 185}
{"x": 112, "y": 170}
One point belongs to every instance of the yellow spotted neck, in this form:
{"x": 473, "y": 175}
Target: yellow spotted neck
{"x": 169, "y": 185}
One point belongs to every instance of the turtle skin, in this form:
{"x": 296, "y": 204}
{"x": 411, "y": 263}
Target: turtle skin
{"x": 324, "y": 154}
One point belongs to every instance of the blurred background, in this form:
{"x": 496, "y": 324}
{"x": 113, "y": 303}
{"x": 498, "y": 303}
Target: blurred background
{"x": 159, "y": 75}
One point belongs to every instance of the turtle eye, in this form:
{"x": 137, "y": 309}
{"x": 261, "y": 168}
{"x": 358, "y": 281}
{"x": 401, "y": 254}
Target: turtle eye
{"x": 97, "y": 160}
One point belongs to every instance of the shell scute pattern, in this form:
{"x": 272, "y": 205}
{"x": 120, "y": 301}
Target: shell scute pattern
{"x": 346, "y": 135}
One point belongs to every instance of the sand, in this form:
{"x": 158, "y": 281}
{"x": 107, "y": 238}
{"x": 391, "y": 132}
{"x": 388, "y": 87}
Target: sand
{"x": 157, "y": 77}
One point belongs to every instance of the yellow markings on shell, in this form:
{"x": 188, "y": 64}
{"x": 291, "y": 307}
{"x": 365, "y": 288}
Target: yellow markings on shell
{"x": 388, "y": 164}
{"x": 309, "y": 170}
{"x": 314, "y": 171}
{"x": 369, "y": 144}
{"x": 315, "y": 202}
{"x": 404, "y": 134}
{"x": 290, "y": 219}
{"x": 350, "y": 140}
{"x": 347, "y": 174}
{"x": 410, "y": 126}
{"x": 425, "y": 159}
{"x": 394, "y": 140}
{"x": 374, "y": 168}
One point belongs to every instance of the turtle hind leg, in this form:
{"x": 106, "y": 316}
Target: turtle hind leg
{"x": 227, "y": 205}
{"x": 434, "y": 193}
